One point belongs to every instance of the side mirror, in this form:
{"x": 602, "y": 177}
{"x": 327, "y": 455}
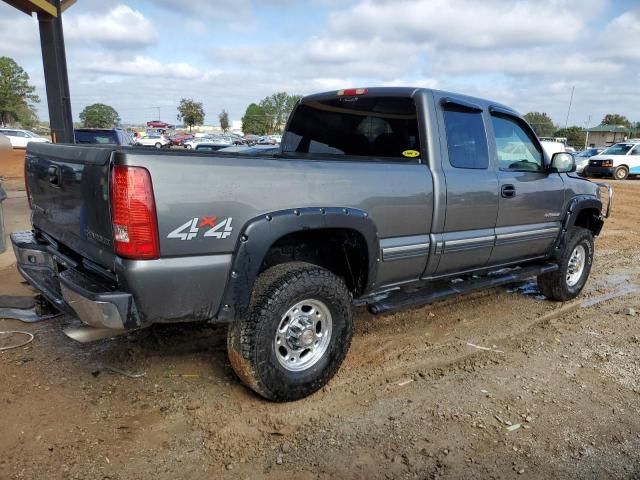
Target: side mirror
{"x": 562, "y": 162}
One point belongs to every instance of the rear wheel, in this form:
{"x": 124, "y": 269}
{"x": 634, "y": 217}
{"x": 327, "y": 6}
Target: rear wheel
{"x": 297, "y": 332}
{"x": 621, "y": 173}
{"x": 575, "y": 262}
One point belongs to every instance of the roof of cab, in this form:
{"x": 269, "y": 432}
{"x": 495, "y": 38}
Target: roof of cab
{"x": 412, "y": 91}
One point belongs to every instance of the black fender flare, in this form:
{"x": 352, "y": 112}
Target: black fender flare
{"x": 576, "y": 205}
{"x": 260, "y": 233}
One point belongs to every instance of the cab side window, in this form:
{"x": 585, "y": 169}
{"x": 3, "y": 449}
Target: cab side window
{"x": 516, "y": 148}
{"x": 466, "y": 138}
{"x": 636, "y": 150}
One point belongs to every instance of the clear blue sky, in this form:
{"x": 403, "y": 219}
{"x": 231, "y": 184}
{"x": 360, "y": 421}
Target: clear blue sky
{"x": 137, "y": 55}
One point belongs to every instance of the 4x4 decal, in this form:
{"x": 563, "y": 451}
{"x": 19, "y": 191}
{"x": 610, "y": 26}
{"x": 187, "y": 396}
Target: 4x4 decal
{"x": 209, "y": 225}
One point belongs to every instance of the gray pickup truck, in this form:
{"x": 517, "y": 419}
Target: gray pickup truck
{"x": 380, "y": 197}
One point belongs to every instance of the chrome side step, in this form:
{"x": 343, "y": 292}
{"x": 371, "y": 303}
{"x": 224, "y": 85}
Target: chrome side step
{"x": 405, "y": 298}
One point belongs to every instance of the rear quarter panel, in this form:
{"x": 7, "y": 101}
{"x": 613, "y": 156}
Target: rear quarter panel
{"x": 397, "y": 196}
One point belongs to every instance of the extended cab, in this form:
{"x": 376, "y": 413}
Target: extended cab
{"x": 378, "y": 197}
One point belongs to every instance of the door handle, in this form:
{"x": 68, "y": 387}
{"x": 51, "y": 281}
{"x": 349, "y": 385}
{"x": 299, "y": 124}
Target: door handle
{"x": 508, "y": 191}
{"x": 54, "y": 175}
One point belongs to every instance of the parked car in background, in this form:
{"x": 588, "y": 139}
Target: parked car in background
{"x": 179, "y": 139}
{"x": 20, "y": 138}
{"x": 551, "y": 147}
{"x": 158, "y": 124}
{"x": 103, "y": 136}
{"x": 157, "y": 141}
{"x": 618, "y": 161}
{"x": 208, "y": 147}
{"x": 208, "y": 140}
{"x": 5, "y": 143}
{"x": 582, "y": 158}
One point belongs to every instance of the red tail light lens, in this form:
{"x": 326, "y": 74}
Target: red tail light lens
{"x": 350, "y": 92}
{"x": 133, "y": 211}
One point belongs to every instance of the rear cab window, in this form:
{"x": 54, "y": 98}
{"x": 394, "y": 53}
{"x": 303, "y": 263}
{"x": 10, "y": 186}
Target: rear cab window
{"x": 374, "y": 128}
{"x": 104, "y": 137}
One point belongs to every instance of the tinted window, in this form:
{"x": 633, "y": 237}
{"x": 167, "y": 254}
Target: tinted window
{"x": 466, "y": 138}
{"x": 96, "y": 136}
{"x": 355, "y": 126}
{"x": 515, "y": 146}
{"x": 636, "y": 150}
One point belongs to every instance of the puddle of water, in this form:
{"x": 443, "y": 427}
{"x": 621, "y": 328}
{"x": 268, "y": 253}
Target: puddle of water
{"x": 528, "y": 288}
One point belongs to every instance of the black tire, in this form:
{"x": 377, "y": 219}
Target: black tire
{"x": 555, "y": 285}
{"x": 158, "y": 145}
{"x": 621, "y": 173}
{"x": 251, "y": 342}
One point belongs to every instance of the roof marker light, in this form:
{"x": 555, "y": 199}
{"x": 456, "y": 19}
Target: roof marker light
{"x": 350, "y": 92}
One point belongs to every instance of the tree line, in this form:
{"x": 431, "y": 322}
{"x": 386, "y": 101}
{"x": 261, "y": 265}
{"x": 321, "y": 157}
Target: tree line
{"x": 544, "y": 126}
{"x": 268, "y": 116}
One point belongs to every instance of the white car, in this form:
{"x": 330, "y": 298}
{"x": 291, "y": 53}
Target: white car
{"x": 157, "y": 141}
{"x": 618, "y": 161}
{"x": 209, "y": 140}
{"x": 20, "y": 138}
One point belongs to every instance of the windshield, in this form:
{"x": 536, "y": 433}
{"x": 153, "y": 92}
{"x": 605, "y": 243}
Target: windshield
{"x": 586, "y": 153}
{"x": 96, "y": 136}
{"x": 618, "y": 149}
{"x": 355, "y": 126}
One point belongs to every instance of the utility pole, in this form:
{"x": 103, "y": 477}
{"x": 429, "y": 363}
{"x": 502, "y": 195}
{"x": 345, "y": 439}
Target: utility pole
{"x": 566, "y": 123}
{"x": 586, "y": 139}
{"x": 158, "y": 112}
{"x": 54, "y": 62}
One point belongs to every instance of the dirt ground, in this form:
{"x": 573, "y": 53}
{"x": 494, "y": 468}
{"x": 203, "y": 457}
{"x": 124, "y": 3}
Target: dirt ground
{"x": 557, "y": 395}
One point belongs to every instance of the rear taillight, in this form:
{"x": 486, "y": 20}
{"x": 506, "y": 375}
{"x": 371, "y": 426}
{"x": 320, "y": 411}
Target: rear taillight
{"x": 133, "y": 211}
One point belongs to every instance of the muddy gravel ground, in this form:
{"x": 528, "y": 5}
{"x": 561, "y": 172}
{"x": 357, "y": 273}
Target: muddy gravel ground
{"x": 556, "y": 395}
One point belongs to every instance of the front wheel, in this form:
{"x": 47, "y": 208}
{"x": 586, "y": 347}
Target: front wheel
{"x": 158, "y": 145}
{"x": 296, "y": 334}
{"x": 621, "y": 173}
{"x": 575, "y": 262}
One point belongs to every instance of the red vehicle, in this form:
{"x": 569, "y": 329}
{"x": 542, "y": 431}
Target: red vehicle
{"x": 157, "y": 124}
{"x": 180, "y": 138}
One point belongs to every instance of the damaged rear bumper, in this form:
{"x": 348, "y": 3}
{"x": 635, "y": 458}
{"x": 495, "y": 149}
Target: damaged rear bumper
{"x": 75, "y": 293}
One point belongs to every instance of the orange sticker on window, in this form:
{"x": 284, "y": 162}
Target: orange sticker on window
{"x": 411, "y": 153}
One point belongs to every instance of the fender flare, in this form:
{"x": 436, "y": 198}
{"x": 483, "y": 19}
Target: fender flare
{"x": 576, "y": 205}
{"x": 260, "y": 233}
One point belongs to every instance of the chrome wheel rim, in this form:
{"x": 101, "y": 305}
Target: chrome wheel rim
{"x": 303, "y": 335}
{"x": 576, "y": 265}
{"x": 621, "y": 174}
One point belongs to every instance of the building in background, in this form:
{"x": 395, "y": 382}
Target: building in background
{"x": 606, "y": 135}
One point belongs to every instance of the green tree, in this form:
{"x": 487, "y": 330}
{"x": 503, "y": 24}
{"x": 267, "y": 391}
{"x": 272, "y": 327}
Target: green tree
{"x": 254, "y": 120}
{"x": 224, "y": 120}
{"x": 541, "y": 123}
{"x": 16, "y": 94}
{"x": 99, "y": 115}
{"x": 277, "y": 107}
{"x": 615, "y": 119}
{"x": 190, "y": 112}
{"x": 575, "y": 136}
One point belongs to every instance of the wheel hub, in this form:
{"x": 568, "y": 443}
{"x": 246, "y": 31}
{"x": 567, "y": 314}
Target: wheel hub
{"x": 303, "y": 335}
{"x": 576, "y": 265}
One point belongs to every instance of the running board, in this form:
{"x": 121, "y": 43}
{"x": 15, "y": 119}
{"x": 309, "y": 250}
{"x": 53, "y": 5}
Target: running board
{"x": 402, "y": 299}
